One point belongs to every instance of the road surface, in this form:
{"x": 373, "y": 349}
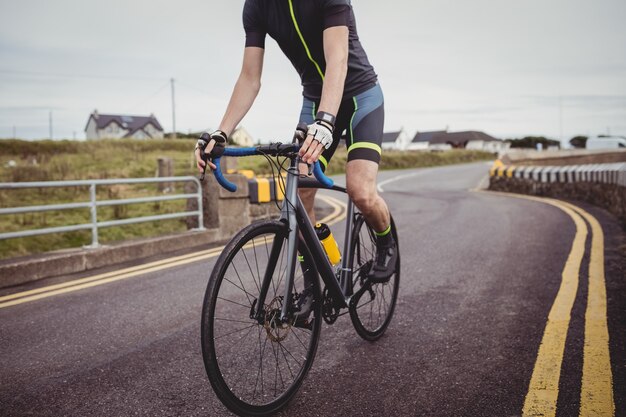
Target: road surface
{"x": 480, "y": 274}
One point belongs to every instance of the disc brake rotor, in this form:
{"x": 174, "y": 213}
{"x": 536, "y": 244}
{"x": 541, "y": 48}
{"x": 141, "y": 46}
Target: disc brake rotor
{"x": 276, "y": 330}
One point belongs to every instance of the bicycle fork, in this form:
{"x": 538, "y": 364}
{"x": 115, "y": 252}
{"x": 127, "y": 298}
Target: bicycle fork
{"x": 294, "y": 215}
{"x": 288, "y": 216}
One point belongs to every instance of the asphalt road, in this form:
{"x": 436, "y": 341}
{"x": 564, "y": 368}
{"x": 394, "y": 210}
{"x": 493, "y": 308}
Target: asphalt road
{"x": 480, "y": 273}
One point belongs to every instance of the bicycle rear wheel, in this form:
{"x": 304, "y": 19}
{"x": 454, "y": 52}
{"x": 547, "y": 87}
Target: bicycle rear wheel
{"x": 256, "y": 365}
{"x": 372, "y": 305}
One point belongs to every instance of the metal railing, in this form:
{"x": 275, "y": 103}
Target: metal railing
{"x": 93, "y": 205}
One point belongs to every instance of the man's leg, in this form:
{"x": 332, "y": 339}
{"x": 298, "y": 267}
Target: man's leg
{"x": 361, "y": 185}
{"x": 307, "y": 195}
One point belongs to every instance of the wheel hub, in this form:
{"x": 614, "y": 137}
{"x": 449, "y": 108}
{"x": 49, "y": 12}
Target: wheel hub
{"x": 275, "y": 329}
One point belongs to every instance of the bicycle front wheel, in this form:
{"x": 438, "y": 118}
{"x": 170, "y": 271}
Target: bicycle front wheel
{"x": 372, "y": 304}
{"x": 256, "y": 364}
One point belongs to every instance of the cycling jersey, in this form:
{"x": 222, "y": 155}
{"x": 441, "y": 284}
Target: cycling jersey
{"x": 298, "y": 26}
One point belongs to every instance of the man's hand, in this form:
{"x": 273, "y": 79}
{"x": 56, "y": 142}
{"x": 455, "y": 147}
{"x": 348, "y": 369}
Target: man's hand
{"x": 210, "y": 144}
{"x": 319, "y": 137}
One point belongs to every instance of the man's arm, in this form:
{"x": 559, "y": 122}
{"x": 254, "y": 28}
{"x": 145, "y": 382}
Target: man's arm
{"x": 246, "y": 89}
{"x": 336, "y": 55}
{"x": 245, "y": 92}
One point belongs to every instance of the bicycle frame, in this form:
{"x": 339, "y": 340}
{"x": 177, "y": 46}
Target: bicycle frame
{"x": 298, "y": 221}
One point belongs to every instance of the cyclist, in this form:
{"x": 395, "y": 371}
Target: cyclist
{"x": 340, "y": 93}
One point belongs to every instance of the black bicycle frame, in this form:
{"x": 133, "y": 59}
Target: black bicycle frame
{"x": 296, "y": 217}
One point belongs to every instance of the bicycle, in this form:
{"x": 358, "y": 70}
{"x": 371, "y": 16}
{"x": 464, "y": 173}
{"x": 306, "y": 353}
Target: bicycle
{"x": 258, "y": 340}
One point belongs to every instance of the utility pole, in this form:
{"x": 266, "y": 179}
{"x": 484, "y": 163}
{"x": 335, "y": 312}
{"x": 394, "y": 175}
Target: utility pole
{"x": 14, "y": 133}
{"x": 173, "y": 112}
{"x": 50, "y": 123}
{"x": 561, "y": 120}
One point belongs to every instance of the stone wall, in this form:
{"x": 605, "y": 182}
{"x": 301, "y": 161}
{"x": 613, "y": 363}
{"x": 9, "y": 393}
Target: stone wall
{"x": 228, "y": 212}
{"x": 595, "y": 185}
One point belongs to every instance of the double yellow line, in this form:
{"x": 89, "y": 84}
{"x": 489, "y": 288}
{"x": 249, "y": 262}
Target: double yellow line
{"x": 338, "y": 214}
{"x": 596, "y": 397}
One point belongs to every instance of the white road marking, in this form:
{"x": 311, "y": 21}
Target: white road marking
{"x": 379, "y": 187}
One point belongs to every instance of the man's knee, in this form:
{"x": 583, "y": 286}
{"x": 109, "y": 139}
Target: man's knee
{"x": 307, "y": 194}
{"x": 364, "y": 197}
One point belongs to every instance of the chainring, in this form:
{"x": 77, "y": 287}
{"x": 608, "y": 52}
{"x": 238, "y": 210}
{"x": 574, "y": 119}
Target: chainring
{"x": 330, "y": 312}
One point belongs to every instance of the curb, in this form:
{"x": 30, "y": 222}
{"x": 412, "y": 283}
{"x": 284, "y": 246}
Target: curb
{"x": 603, "y": 185}
{"x": 24, "y": 270}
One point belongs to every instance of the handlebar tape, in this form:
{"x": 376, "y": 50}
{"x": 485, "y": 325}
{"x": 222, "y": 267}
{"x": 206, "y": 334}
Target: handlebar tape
{"x": 321, "y": 177}
{"x": 317, "y": 170}
{"x": 240, "y": 151}
{"x": 221, "y": 180}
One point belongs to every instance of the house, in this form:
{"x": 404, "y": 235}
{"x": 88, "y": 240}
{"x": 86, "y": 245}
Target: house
{"x": 444, "y": 140}
{"x": 115, "y": 126}
{"x": 460, "y": 140}
{"x": 421, "y": 140}
{"x": 241, "y": 137}
{"x": 395, "y": 140}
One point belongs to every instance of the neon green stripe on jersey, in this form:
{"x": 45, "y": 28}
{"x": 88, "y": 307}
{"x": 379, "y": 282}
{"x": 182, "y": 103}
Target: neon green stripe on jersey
{"x": 306, "y": 47}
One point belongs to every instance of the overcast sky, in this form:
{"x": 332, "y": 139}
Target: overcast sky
{"x": 510, "y": 69}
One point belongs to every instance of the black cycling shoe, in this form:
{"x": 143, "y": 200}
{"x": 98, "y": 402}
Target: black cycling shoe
{"x": 384, "y": 263}
{"x": 304, "y": 306}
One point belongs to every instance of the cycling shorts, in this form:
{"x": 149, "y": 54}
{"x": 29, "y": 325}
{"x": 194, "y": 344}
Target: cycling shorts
{"x": 361, "y": 117}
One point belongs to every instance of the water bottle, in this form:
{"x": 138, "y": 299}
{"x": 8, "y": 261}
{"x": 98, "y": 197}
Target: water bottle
{"x": 328, "y": 242}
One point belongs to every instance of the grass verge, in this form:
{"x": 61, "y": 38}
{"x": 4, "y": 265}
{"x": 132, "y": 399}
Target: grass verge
{"x": 22, "y": 161}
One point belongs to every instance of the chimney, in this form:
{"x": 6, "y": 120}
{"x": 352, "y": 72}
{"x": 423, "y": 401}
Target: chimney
{"x": 95, "y": 114}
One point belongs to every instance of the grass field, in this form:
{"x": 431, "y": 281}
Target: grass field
{"x": 22, "y": 161}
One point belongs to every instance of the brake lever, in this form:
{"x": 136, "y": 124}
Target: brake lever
{"x": 206, "y": 162}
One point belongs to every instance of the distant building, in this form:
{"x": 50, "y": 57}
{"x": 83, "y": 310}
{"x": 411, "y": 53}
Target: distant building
{"x": 114, "y": 126}
{"x": 421, "y": 140}
{"x": 444, "y": 140}
{"x": 395, "y": 140}
{"x": 241, "y": 137}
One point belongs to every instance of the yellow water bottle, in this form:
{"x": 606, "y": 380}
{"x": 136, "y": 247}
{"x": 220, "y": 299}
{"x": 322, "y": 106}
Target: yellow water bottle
{"x": 328, "y": 242}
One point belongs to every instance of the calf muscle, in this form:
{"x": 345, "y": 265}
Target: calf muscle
{"x": 361, "y": 185}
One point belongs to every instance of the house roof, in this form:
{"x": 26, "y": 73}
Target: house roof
{"x": 426, "y": 136}
{"x": 452, "y": 137}
{"x": 391, "y": 136}
{"x": 131, "y": 123}
{"x": 462, "y": 137}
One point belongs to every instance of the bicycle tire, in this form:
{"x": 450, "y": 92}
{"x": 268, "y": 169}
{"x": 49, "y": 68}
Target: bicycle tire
{"x": 240, "y": 355}
{"x": 372, "y": 311}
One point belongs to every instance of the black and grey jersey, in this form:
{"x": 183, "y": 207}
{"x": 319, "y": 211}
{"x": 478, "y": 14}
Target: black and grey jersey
{"x": 298, "y": 26}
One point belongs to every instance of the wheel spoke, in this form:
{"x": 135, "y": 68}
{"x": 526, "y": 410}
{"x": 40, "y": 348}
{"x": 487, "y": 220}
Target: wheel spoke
{"x": 247, "y": 307}
{"x": 299, "y": 340}
{"x": 256, "y": 262}
{"x": 282, "y": 351}
{"x": 243, "y": 287}
{"x": 250, "y": 268}
{"x": 290, "y": 354}
{"x": 280, "y": 269}
{"x": 237, "y": 331}
{"x": 256, "y": 368}
{"x": 372, "y": 312}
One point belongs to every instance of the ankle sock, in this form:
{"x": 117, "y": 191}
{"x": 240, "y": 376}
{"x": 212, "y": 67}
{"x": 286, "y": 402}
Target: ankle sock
{"x": 385, "y": 237}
